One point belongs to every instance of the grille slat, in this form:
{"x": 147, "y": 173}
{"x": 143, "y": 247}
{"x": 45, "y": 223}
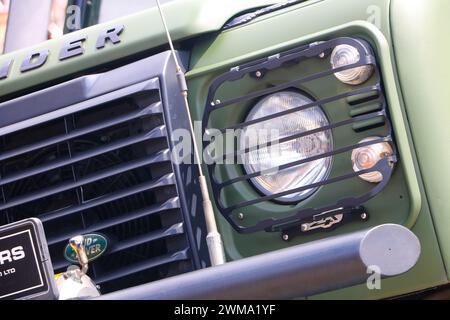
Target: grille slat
{"x": 173, "y": 230}
{"x": 161, "y": 156}
{"x": 68, "y": 186}
{"x": 176, "y": 229}
{"x": 153, "y": 109}
{"x": 164, "y": 181}
{"x": 145, "y": 265}
{"x": 157, "y": 208}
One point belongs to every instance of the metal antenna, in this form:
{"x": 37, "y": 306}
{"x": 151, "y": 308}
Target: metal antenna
{"x": 213, "y": 238}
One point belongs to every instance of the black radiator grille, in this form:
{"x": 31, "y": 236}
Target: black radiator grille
{"x": 106, "y": 170}
{"x": 365, "y": 109}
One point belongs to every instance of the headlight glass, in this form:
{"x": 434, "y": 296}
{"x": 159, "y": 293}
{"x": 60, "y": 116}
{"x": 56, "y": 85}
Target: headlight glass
{"x": 268, "y": 157}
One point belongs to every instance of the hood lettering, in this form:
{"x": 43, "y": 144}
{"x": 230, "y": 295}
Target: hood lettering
{"x": 37, "y": 58}
{"x": 4, "y": 69}
{"x": 34, "y": 60}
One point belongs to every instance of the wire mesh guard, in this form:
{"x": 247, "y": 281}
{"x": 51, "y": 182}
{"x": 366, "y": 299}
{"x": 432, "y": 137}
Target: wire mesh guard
{"x": 251, "y": 82}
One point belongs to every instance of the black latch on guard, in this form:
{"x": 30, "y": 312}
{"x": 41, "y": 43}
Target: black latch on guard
{"x": 25, "y": 267}
{"x": 325, "y": 221}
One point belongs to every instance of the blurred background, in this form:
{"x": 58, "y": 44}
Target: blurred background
{"x": 4, "y": 6}
{"x": 26, "y": 22}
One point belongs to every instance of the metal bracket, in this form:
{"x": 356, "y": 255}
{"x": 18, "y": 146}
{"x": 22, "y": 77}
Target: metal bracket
{"x": 325, "y": 221}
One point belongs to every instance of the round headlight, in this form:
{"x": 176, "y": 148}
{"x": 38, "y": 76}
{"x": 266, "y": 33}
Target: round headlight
{"x": 268, "y": 157}
{"x": 344, "y": 55}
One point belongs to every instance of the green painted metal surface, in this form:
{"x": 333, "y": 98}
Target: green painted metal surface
{"x": 302, "y": 24}
{"x": 421, "y": 100}
{"x": 420, "y": 31}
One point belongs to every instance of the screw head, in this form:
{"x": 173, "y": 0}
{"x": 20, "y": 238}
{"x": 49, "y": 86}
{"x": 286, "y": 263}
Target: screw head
{"x": 304, "y": 227}
{"x": 241, "y": 215}
{"x": 258, "y": 74}
{"x": 217, "y": 101}
{"x": 285, "y": 237}
{"x": 364, "y": 216}
{"x": 322, "y": 55}
{"x": 104, "y": 139}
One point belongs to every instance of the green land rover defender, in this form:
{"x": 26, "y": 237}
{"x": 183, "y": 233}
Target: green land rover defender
{"x": 241, "y": 149}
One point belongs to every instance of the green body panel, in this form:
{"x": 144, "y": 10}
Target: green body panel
{"x": 143, "y": 31}
{"x": 215, "y": 52}
{"x": 420, "y": 31}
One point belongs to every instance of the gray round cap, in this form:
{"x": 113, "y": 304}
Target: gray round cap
{"x": 391, "y": 248}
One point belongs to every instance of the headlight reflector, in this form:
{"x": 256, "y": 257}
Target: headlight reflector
{"x": 344, "y": 55}
{"x": 264, "y": 158}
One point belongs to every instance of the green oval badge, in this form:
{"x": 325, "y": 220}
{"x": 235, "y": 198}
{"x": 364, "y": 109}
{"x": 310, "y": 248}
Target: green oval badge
{"x": 95, "y": 245}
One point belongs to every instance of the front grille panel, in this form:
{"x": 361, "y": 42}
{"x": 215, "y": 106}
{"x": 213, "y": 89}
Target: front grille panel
{"x": 103, "y": 169}
{"x": 365, "y": 109}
